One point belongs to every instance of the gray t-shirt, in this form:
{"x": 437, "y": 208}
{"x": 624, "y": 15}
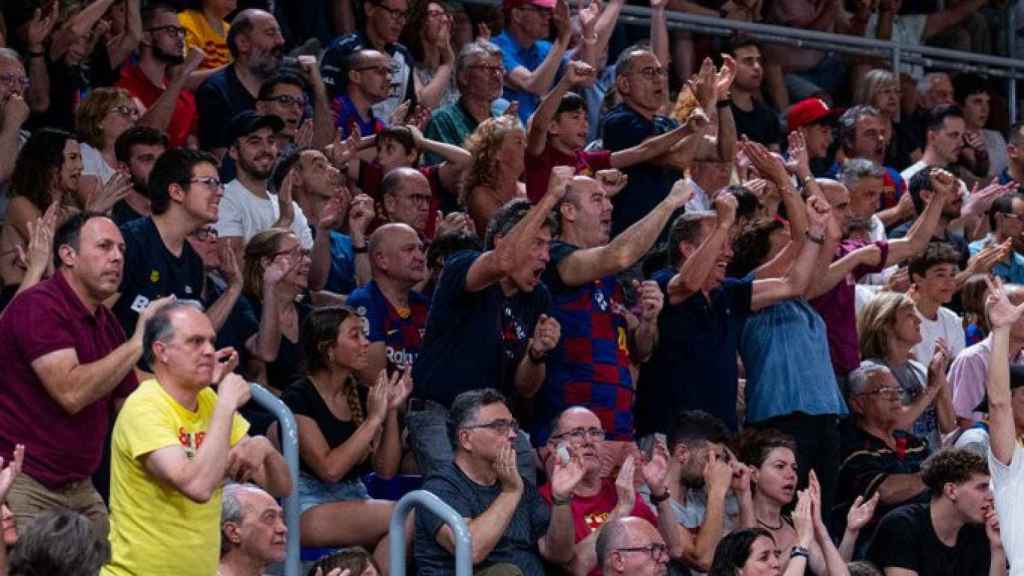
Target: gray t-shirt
{"x": 518, "y": 545}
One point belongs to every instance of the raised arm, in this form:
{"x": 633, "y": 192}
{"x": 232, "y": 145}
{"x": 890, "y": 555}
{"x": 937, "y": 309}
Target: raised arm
{"x": 944, "y": 185}
{"x": 769, "y": 291}
{"x": 939, "y": 22}
{"x": 576, "y": 72}
{"x": 695, "y": 269}
{"x": 590, "y": 264}
{"x": 539, "y": 81}
{"x": 122, "y": 46}
{"x": 323, "y": 121}
{"x": 1002, "y": 430}
{"x": 159, "y": 115}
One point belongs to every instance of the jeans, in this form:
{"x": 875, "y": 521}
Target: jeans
{"x": 427, "y": 424}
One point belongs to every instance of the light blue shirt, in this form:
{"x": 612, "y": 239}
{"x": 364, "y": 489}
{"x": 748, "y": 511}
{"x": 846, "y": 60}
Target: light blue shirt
{"x": 1011, "y": 271}
{"x": 530, "y": 57}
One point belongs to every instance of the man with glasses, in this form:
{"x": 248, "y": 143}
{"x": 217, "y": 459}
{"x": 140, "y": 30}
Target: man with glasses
{"x": 184, "y": 195}
{"x": 257, "y": 46}
{"x": 368, "y": 75}
{"x": 1006, "y": 224}
{"x": 631, "y": 546}
{"x": 512, "y": 530}
{"x": 284, "y": 96}
{"x": 171, "y": 106}
{"x": 385, "y": 20}
{"x": 596, "y": 499}
{"x": 877, "y": 456}
{"x": 14, "y": 111}
{"x": 530, "y": 61}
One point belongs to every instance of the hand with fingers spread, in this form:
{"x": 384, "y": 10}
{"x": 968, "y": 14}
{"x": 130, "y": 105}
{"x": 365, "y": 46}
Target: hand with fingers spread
{"x": 104, "y": 198}
{"x": 979, "y": 201}
{"x": 401, "y": 388}
{"x": 304, "y": 135}
{"x": 333, "y": 213}
{"x": 565, "y": 476}
{"x": 279, "y": 267}
{"x": 505, "y": 468}
{"x": 861, "y": 512}
{"x": 342, "y": 151}
{"x": 655, "y": 469}
{"x": 560, "y": 21}
{"x": 226, "y": 360}
{"x": 38, "y": 29}
{"x": 360, "y": 214}
{"x": 1001, "y": 312}
{"x": 588, "y": 19}
{"x": 285, "y": 204}
{"x": 37, "y": 256}
{"x": 767, "y": 164}
{"x": 800, "y": 161}
{"x": 985, "y": 259}
{"x": 703, "y": 85}
{"x": 625, "y": 487}
{"x": 724, "y": 77}
{"x": 11, "y": 471}
{"x": 483, "y": 32}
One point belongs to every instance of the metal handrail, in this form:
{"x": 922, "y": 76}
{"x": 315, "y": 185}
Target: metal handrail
{"x": 433, "y": 504}
{"x": 289, "y": 435}
{"x": 929, "y": 56}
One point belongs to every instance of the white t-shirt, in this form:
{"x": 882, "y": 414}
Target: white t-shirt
{"x": 243, "y": 214}
{"x": 1008, "y": 492}
{"x": 907, "y": 30}
{"x": 93, "y": 164}
{"x": 947, "y": 326}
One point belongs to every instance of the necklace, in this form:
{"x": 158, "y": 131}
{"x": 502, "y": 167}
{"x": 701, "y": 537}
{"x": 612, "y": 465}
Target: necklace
{"x": 769, "y": 526}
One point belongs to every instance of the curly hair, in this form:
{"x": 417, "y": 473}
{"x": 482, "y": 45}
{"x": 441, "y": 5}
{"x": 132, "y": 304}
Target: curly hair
{"x": 753, "y": 446}
{"x": 92, "y": 111}
{"x": 876, "y": 320}
{"x": 951, "y": 465}
{"x": 263, "y": 245}
{"x": 484, "y": 144}
{"x": 38, "y": 164}
{"x": 753, "y": 245}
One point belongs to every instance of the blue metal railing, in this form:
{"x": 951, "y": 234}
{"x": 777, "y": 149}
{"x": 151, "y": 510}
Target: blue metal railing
{"x": 429, "y": 503}
{"x": 289, "y": 435}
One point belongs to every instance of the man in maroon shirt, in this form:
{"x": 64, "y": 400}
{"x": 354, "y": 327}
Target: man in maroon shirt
{"x": 596, "y": 500}
{"x": 67, "y": 365}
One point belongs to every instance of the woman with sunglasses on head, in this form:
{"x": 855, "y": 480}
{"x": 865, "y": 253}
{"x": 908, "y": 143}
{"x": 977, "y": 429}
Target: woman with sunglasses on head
{"x": 103, "y": 116}
{"x": 345, "y": 432}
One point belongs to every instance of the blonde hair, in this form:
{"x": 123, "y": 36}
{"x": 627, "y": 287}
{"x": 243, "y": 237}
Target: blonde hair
{"x": 876, "y": 320}
{"x": 483, "y": 144}
{"x": 872, "y": 83}
{"x": 92, "y": 111}
{"x": 263, "y": 245}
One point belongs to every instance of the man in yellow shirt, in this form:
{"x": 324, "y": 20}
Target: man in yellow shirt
{"x": 174, "y": 443}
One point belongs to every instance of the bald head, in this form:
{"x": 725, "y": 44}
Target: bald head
{"x": 406, "y": 197}
{"x": 396, "y": 255}
{"x": 627, "y": 532}
{"x": 387, "y": 237}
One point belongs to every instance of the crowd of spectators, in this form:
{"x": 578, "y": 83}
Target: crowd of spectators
{"x": 630, "y": 301}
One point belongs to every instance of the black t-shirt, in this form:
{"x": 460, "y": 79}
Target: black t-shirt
{"x": 151, "y": 272}
{"x": 760, "y": 124}
{"x": 122, "y": 213}
{"x": 303, "y": 399}
{"x": 906, "y": 539}
{"x": 473, "y": 339}
{"x": 517, "y": 545}
{"x": 287, "y": 367}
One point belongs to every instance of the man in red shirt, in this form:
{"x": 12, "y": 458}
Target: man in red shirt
{"x": 596, "y": 500}
{"x": 171, "y": 107}
{"x": 558, "y": 132}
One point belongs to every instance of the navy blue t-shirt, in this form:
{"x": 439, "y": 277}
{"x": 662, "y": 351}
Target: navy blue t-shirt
{"x": 694, "y": 364}
{"x": 219, "y": 99}
{"x": 474, "y": 339}
{"x": 151, "y": 272}
{"x": 649, "y": 183}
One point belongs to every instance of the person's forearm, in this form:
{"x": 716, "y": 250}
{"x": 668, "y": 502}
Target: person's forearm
{"x": 432, "y": 94}
{"x": 606, "y": 24}
{"x": 486, "y": 529}
{"x": 584, "y": 557}
{"x": 83, "y": 22}
{"x": 388, "y": 456}
{"x": 913, "y": 411}
{"x": 560, "y": 535}
{"x": 537, "y": 131}
{"x": 204, "y": 473}
{"x": 997, "y": 564}
{"x": 659, "y": 39}
{"x": 694, "y": 271}
{"x": 278, "y": 480}
{"x": 676, "y": 536}
{"x": 711, "y": 530}
{"x": 944, "y": 409}
{"x": 268, "y": 339}
{"x": 88, "y": 383}
{"x": 799, "y": 276}
{"x": 644, "y": 339}
{"x": 364, "y": 272}
{"x": 159, "y": 115}
{"x": 323, "y": 121}
{"x": 834, "y": 563}
{"x": 898, "y": 488}
{"x": 829, "y": 273}
{"x": 529, "y": 376}
{"x": 918, "y": 236}
{"x": 38, "y": 94}
{"x": 344, "y": 18}
{"x": 848, "y": 544}
{"x": 8, "y": 149}
{"x": 726, "y": 135}
{"x": 459, "y": 157}
{"x": 197, "y": 77}
{"x": 337, "y": 463}
{"x": 892, "y": 215}
{"x": 320, "y": 264}
{"x": 129, "y": 40}
{"x": 939, "y": 22}
{"x": 634, "y": 242}
{"x": 539, "y": 81}
{"x": 219, "y": 311}
{"x": 1002, "y": 431}
{"x": 649, "y": 149}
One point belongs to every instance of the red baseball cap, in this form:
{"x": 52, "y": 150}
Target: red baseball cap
{"x": 809, "y": 111}
{"x": 510, "y": 4}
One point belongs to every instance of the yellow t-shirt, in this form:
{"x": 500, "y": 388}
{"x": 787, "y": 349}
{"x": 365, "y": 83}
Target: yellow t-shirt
{"x": 199, "y": 33}
{"x": 155, "y": 530}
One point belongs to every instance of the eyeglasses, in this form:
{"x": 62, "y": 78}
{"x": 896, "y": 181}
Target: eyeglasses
{"x": 489, "y": 69}
{"x": 211, "y": 181}
{"x": 285, "y": 100}
{"x": 580, "y": 434}
{"x": 208, "y": 233}
{"x": 297, "y": 252}
{"x": 436, "y": 14}
{"x": 884, "y": 391}
{"x": 650, "y": 72}
{"x": 501, "y": 426}
{"x": 656, "y": 551}
{"x": 15, "y": 81}
{"x": 171, "y": 30}
{"x": 126, "y": 111}
{"x": 398, "y": 15}
{"x": 384, "y": 70}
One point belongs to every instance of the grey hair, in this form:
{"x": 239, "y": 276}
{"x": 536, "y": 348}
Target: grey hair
{"x": 848, "y": 123}
{"x": 473, "y": 51}
{"x": 58, "y": 543}
{"x": 925, "y": 83}
{"x": 624, "y": 63}
{"x": 232, "y": 510}
{"x": 862, "y": 375}
{"x": 611, "y": 537}
{"x": 159, "y": 328}
{"x": 857, "y": 169}
{"x": 685, "y": 228}
{"x": 9, "y": 54}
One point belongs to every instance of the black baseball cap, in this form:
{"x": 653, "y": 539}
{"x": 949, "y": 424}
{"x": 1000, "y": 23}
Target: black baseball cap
{"x": 249, "y": 121}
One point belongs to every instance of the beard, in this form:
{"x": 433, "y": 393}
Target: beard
{"x": 265, "y": 65}
{"x": 254, "y": 170}
{"x": 169, "y": 58}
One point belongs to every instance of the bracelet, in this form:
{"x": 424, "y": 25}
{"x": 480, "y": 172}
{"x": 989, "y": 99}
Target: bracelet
{"x": 807, "y": 179}
{"x": 815, "y": 239}
{"x": 723, "y": 103}
{"x": 800, "y": 551}
{"x": 655, "y": 499}
{"x": 360, "y": 249}
{"x": 560, "y": 502}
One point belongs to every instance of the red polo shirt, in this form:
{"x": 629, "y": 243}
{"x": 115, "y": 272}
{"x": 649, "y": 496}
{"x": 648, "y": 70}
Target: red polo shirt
{"x": 60, "y": 447}
{"x": 183, "y": 121}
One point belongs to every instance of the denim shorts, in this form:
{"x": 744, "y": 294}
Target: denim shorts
{"x": 313, "y": 492}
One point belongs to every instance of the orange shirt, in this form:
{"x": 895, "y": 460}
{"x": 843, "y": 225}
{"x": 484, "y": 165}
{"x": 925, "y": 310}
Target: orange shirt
{"x": 200, "y": 34}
